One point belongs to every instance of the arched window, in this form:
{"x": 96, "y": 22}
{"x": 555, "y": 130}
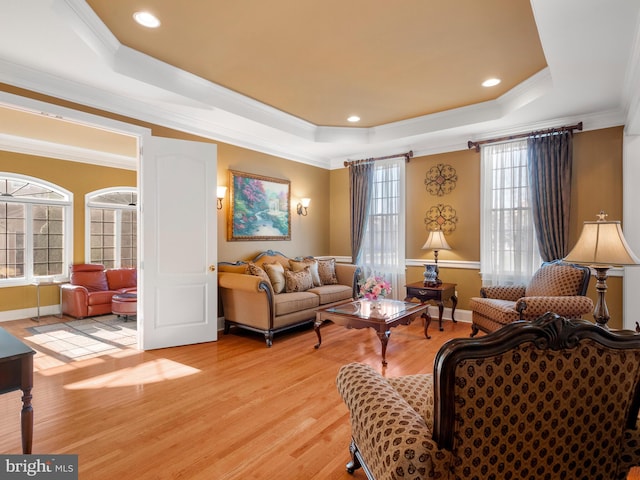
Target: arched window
{"x": 36, "y": 229}
{"x": 112, "y": 222}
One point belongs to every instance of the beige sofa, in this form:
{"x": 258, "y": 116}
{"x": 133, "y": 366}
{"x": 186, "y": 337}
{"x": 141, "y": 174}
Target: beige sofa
{"x": 273, "y": 293}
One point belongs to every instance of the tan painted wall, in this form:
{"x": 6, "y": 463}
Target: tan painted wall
{"x": 597, "y": 185}
{"x": 309, "y": 235}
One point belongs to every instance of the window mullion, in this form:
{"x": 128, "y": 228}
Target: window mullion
{"x": 28, "y": 243}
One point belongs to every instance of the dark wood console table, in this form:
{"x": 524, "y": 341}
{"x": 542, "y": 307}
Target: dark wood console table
{"x": 438, "y": 294}
{"x": 16, "y": 372}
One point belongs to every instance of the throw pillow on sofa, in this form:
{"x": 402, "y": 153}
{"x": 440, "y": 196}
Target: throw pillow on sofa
{"x": 275, "y": 271}
{"x": 254, "y": 269}
{"x": 298, "y": 265}
{"x": 327, "y": 271}
{"x": 298, "y": 281}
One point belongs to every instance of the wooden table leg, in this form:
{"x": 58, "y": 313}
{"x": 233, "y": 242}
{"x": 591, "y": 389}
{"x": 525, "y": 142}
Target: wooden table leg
{"x": 384, "y": 339}
{"x": 440, "y": 312}
{"x": 454, "y": 300}
{"x": 316, "y": 327}
{"x": 427, "y": 322}
{"x": 26, "y": 415}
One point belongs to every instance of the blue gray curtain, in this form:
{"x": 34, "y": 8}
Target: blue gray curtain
{"x": 360, "y": 184}
{"x": 550, "y": 158}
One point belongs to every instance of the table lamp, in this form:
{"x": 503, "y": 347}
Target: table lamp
{"x": 435, "y": 242}
{"x": 601, "y": 246}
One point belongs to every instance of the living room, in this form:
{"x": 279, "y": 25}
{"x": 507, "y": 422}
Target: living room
{"x": 603, "y": 151}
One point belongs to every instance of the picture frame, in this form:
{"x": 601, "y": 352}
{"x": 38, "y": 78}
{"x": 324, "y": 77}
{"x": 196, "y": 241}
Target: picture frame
{"x": 259, "y": 208}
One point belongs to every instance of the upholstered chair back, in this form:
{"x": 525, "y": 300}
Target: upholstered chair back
{"x": 558, "y": 279}
{"x": 537, "y": 399}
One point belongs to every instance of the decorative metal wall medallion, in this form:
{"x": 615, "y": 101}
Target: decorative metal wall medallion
{"x": 441, "y": 217}
{"x": 441, "y": 179}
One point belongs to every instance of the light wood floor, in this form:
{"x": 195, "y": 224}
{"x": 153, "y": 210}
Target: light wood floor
{"x": 232, "y": 409}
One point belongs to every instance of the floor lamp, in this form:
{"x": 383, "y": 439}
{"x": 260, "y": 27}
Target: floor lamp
{"x": 601, "y": 246}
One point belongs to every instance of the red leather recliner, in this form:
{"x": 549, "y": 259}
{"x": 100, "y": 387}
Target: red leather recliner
{"x": 91, "y": 288}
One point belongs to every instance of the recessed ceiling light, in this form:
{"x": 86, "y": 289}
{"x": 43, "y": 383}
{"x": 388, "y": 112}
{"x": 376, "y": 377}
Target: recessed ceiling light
{"x": 491, "y": 82}
{"x": 353, "y": 119}
{"x": 146, "y": 19}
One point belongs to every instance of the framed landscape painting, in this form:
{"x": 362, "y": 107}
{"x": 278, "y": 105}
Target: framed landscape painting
{"x": 259, "y": 207}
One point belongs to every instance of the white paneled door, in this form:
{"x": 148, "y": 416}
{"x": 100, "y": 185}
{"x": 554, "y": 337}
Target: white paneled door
{"x": 177, "y": 182}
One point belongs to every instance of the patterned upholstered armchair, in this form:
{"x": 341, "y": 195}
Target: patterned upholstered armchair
{"x": 552, "y": 398}
{"x": 556, "y": 287}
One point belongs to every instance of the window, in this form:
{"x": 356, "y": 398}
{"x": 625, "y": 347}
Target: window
{"x": 383, "y": 249}
{"x": 509, "y": 249}
{"x": 113, "y": 226}
{"x": 35, "y": 229}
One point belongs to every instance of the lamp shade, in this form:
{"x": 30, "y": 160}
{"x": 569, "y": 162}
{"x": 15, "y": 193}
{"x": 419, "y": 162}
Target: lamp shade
{"x": 602, "y": 243}
{"x": 436, "y": 241}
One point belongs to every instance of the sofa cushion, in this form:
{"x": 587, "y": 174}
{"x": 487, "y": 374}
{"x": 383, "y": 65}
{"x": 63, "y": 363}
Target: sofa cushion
{"x": 275, "y": 271}
{"x": 119, "y": 278}
{"x": 254, "y": 269}
{"x": 327, "y": 271}
{"x": 293, "y": 302}
{"x": 298, "y": 281}
{"x": 332, "y": 293}
{"x": 94, "y": 281}
{"x": 298, "y": 265}
{"x": 501, "y": 311}
{"x": 100, "y": 298}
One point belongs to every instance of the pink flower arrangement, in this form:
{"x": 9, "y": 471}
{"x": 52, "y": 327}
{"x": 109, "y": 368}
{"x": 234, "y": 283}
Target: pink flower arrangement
{"x": 375, "y": 287}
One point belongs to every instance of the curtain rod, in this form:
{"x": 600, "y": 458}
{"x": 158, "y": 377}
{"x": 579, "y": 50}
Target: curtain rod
{"x": 570, "y": 128}
{"x": 408, "y": 155}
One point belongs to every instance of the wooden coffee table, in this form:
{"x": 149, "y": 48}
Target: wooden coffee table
{"x": 357, "y": 314}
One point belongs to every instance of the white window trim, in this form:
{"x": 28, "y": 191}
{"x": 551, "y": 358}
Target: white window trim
{"x": 67, "y": 203}
{"x": 485, "y": 235}
{"x": 89, "y": 203}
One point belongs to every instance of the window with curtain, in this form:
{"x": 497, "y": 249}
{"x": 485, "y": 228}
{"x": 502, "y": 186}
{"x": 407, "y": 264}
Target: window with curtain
{"x": 508, "y": 246}
{"x": 113, "y": 225}
{"x": 35, "y": 229}
{"x": 383, "y": 250}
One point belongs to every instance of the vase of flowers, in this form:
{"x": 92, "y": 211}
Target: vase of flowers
{"x": 374, "y": 289}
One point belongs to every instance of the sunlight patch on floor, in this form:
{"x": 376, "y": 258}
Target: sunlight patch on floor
{"x": 84, "y": 339}
{"x": 153, "y": 371}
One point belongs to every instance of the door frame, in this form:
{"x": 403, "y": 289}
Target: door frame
{"x": 10, "y": 100}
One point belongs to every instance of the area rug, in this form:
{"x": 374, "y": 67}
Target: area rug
{"x": 86, "y": 338}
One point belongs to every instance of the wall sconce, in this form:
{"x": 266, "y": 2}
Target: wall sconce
{"x": 220, "y": 193}
{"x": 303, "y": 205}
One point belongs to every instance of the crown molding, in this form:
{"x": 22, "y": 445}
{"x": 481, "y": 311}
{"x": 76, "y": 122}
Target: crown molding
{"x": 39, "y": 148}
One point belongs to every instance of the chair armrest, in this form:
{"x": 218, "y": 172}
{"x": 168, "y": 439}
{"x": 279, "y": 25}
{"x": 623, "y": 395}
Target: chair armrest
{"x": 75, "y": 300}
{"x": 573, "y": 306}
{"x": 503, "y": 292}
{"x": 390, "y": 435}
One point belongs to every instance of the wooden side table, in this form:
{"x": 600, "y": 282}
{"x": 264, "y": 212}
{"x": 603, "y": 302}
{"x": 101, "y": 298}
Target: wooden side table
{"x": 16, "y": 372}
{"x": 438, "y": 294}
